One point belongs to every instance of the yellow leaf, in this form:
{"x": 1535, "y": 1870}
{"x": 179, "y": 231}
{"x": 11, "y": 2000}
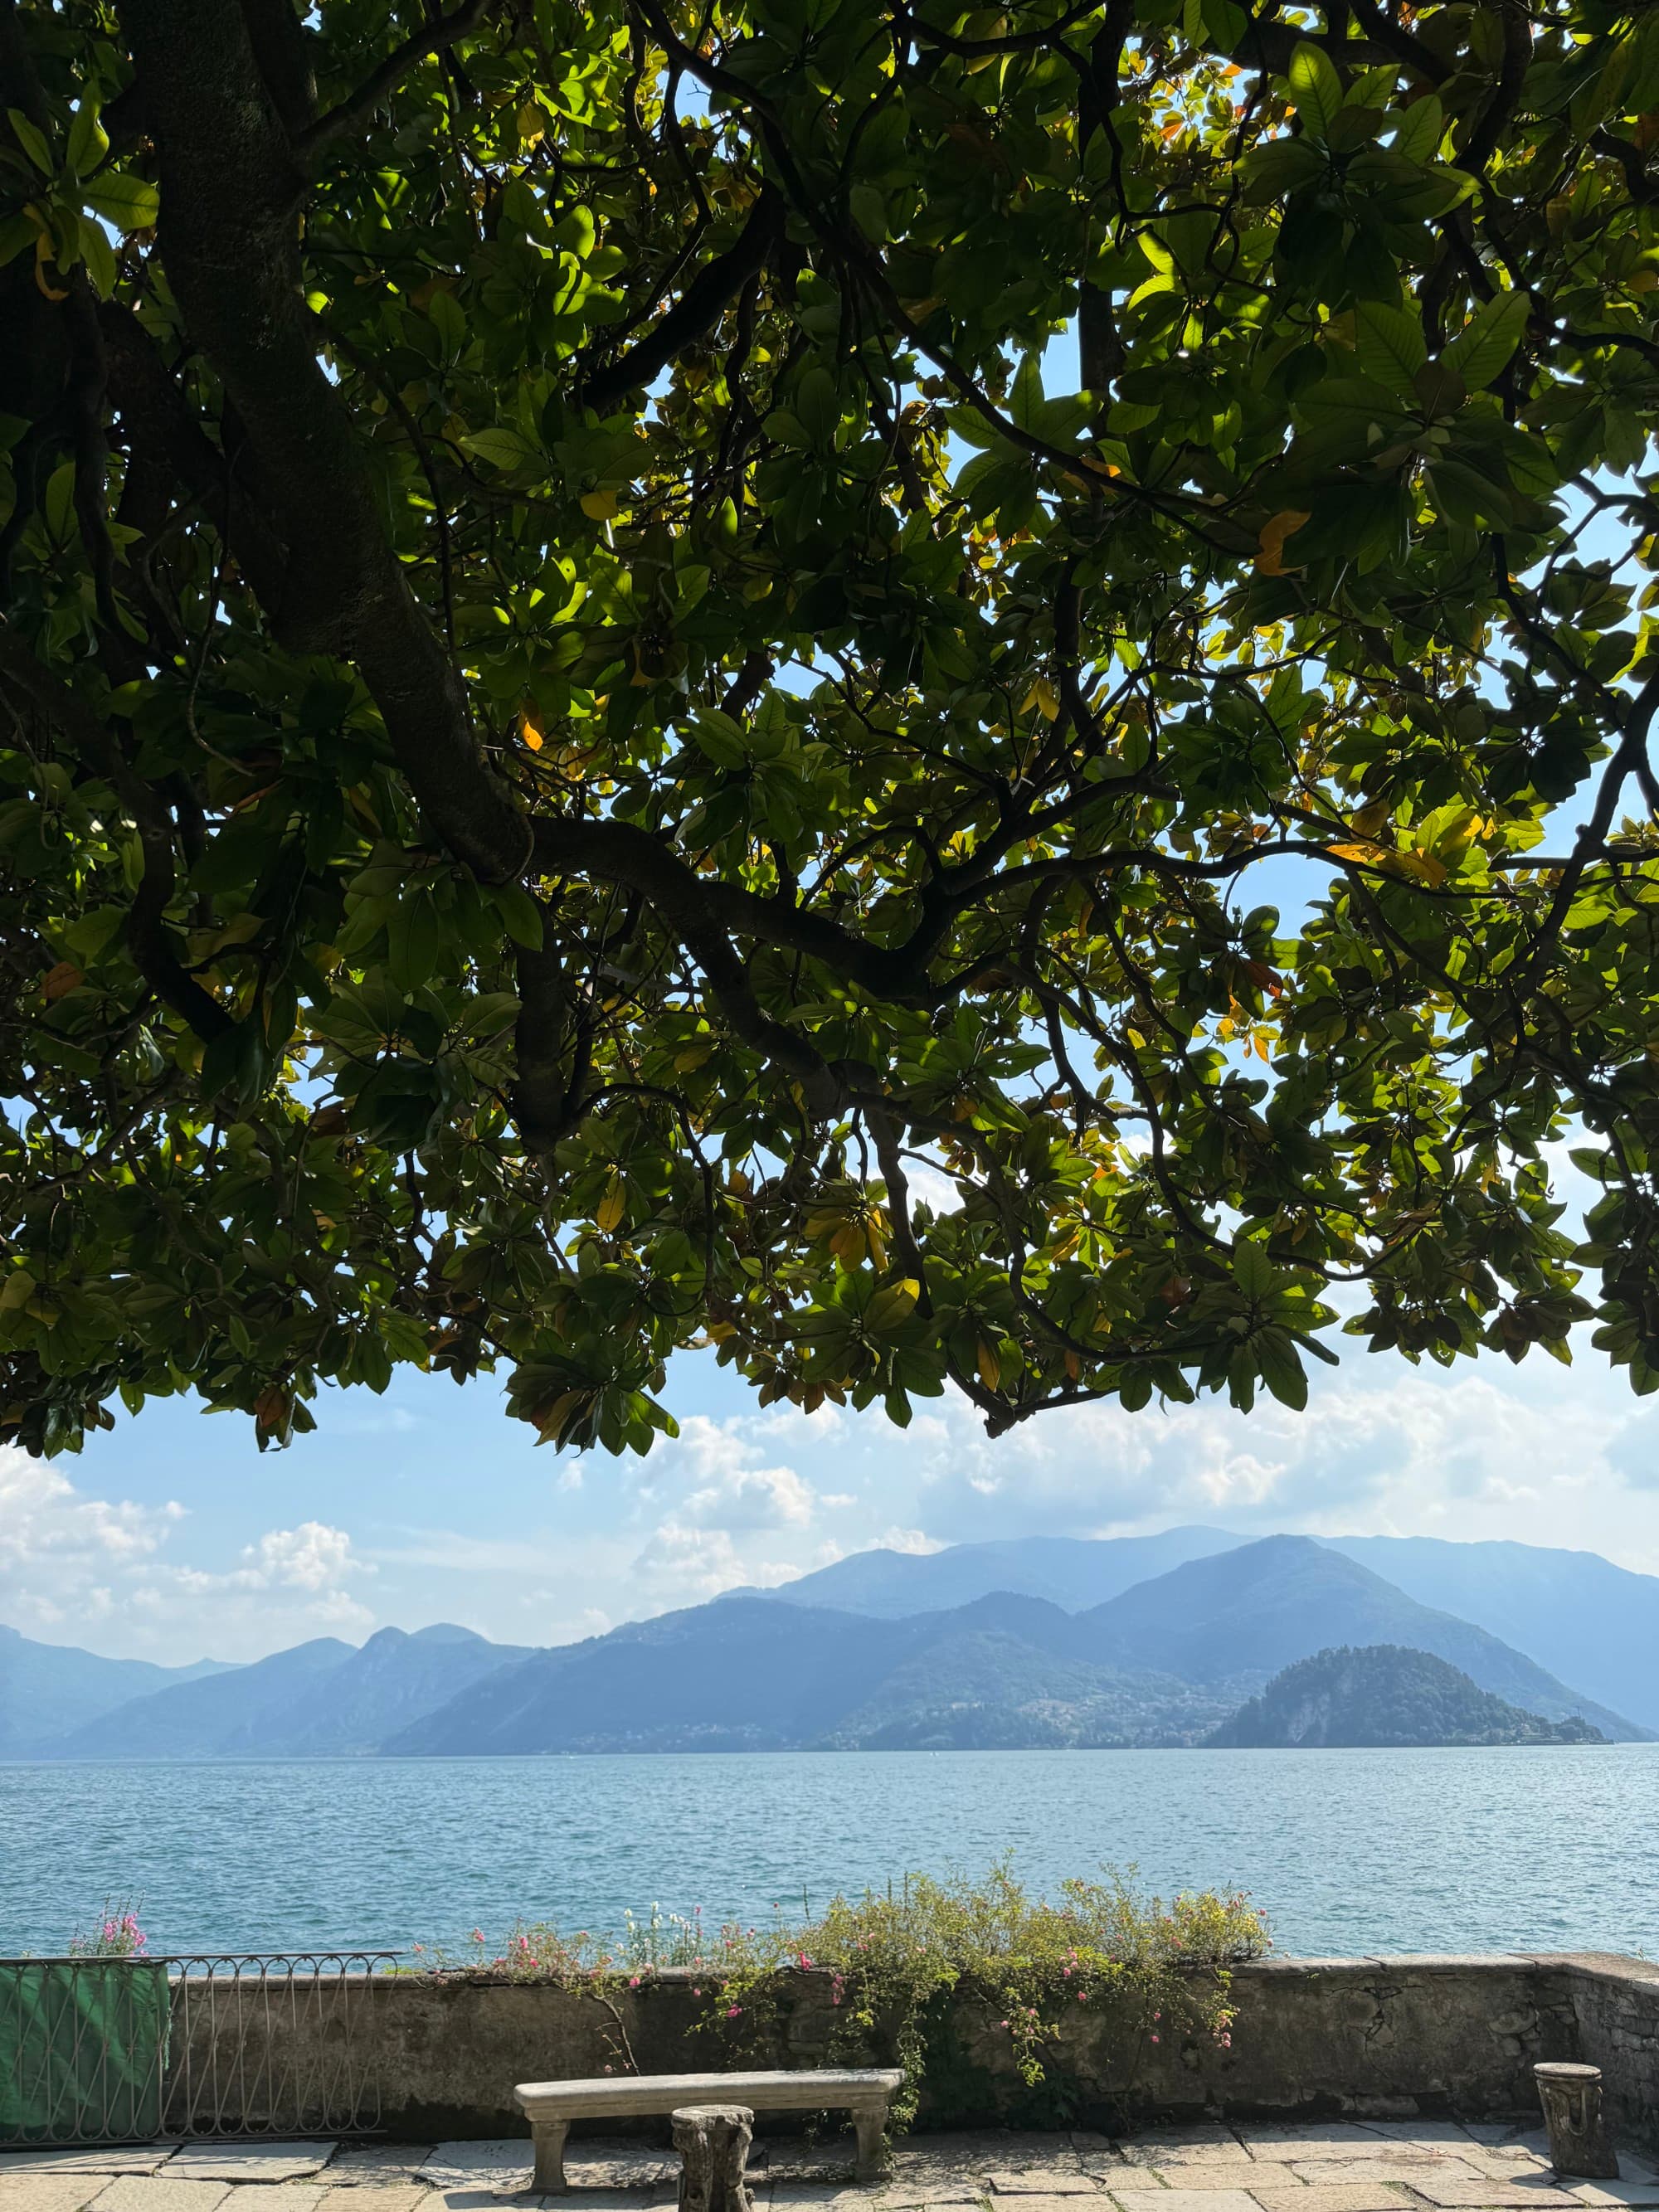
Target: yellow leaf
{"x": 532, "y": 124}
{"x": 1423, "y": 866}
{"x": 611, "y": 1206}
{"x": 1270, "y": 561}
{"x": 599, "y": 506}
{"x": 43, "y": 261}
{"x": 552, "y": 1416}
{"x": 532, "y": 735}
{"x": 990, "y": 1366}
{"x": 1372, "y": 818}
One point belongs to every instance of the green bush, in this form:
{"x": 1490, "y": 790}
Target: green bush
{"x": 1160, "y": 1969}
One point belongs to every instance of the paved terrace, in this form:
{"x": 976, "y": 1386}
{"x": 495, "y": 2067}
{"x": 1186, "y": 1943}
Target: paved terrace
{"x": 1406, "y": 2166}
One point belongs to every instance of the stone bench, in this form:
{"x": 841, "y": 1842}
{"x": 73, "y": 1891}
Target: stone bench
{"x": 865, "y": 2092}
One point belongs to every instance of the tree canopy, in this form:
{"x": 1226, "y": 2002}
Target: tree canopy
{"x": 665, "y": 667}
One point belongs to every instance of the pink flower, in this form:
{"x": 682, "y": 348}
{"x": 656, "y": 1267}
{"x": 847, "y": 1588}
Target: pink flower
{"x": 477, "y": 1936}
{"x": 1226, "y": 2043}
{"x": 1157, "y": 2039}
{"x": 731, "y": 2011}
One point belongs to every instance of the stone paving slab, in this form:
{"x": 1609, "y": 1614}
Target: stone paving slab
{"x": 90, "y": 2158}
{"x": 1629, "y": 2189}
{"x": 496, "y": 2193}
{"x": 1173, "y": 2152}
{"x": 502, "y": 2166}
{"x": 820, "y": 2197}
{"x": 1479, "y": 2194}
{"x": 1009, "y": 2152}
{"x": 1330, "y": 2197}
{"x": 1260, "y": 2174}
{"x": 1050, "y": 2203}
{"x": 1055, "y": 2180}
{"x": 903, "y": 2195}
{"x": 1184, "y": 2149}
{"x": 249, "y": 2161}
{"x": 48, "y": 2192}
{"x": 280, "y": 2197}
{"x": 1431, "y": 2132}
{"x": 1343, "y": 2139}
{"x": 388, "y": 2196}
{"x": 1139, "y": 2181}
{"x": 1402, "y": 2168}
{"x": 133, "y": 2192}
{"x": 1202, "y": 2200}
{"x": 378, "y": 2164}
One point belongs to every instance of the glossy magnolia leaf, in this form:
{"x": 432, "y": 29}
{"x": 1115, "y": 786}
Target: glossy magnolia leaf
{"x": 916, "y": 703}
{"x": 1316, "y": 88}
{"x": 1484, "y": 346}
{"x": 127, "y": 202}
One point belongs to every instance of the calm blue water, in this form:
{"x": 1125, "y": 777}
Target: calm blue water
{"x": 1554, "y": 1849}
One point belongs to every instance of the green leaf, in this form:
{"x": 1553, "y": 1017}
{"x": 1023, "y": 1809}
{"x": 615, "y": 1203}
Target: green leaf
{"x": 126, "y": 202}
{"x": 1316, "y": 88}
{"x": 502, "y": 448}
{"x": 1421, "y": 130}
{"x": 1389, "y": 344}
{"x": 31, "y": 140}
{"x": 1482, "y": 348}
{"x": 89, "y": 142}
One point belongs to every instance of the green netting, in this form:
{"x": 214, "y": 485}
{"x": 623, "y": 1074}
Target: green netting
{"x": 83, "y": 2045}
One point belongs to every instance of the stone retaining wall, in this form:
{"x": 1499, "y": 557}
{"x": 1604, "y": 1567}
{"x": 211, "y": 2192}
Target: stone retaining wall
{"x": 1313, "y": 2039}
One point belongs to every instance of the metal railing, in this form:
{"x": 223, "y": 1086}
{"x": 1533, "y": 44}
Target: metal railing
{"x": 237, "y": 2044}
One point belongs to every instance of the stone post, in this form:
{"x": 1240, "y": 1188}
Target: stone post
{"x": 713, "y": 2141}
{"x": 1571, "y": 2098}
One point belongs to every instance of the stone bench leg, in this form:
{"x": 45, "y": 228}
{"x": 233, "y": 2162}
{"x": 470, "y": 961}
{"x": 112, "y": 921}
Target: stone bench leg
{"x": 871, "y": 2121}
{"x": 547, "y": 2136}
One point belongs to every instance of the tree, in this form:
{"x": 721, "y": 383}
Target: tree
{"x": 600, "y": 752}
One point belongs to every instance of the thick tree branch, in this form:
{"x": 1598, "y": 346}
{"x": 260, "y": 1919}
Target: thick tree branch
{"x": 228, "y": 192}
{"x": 359, "y": 106}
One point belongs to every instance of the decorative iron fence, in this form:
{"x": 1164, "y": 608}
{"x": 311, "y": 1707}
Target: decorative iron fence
{"x": 236, "y": 2044}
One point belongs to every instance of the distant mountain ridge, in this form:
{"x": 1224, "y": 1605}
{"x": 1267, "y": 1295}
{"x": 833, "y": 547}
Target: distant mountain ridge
{"x": 46, "y": 1689}
{"x": 1194, "y": 1623}
{"x": 758, "y": 1674}
{"x": 1383, "y": 1696}
{"x": 318, "y": 1700}
{"x": 1587, "y": 1621}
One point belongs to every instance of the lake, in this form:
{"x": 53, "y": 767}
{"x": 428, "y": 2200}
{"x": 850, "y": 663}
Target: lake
{"x": 1547, "y": 1848}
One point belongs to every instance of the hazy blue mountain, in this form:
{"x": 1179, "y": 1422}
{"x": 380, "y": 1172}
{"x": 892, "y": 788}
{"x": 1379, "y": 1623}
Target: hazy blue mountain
{"x": 1383, "y": 1695}
{"x": 321, "y": 1699}
{"x": 752, "y": 1675}
{"x": 1593, "y": 1624}
{"x": 198, "y": 1720}
{"x": 46, "y": 1689}
{"x": 740, "y": 1675}
{"x": 1069, "y": 1571}
{"x": 1268, "y": 1604}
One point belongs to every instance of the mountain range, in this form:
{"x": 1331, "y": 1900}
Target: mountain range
{"x": 1135, "y": 1640}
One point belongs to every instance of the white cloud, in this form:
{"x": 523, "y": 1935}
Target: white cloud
{"x": 311, "y": 1556}
{"x": 714, "y": 1472}
{"x": 44, "y": 1517}
{"x": 70, "y": 1563}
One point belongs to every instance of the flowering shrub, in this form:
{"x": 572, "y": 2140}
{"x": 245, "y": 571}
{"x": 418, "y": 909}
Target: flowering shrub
{"x": 1159, "y": 1970}
{"x": 116, "y": 1934}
